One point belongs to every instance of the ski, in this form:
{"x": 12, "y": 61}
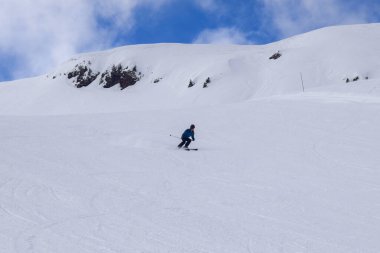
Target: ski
{"x": 191, "y": 149}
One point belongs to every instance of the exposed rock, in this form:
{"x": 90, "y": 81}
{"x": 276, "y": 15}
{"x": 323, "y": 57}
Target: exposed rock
{"x": 157, "y": 80}
{"x": 83, "y": 75}
{"x": 191, "y": 84}
{"x": 275, "y": 56}
{"x": 120, "y": 75}
{"x": 356, "y": 78}
{"x": 205, "y": 84}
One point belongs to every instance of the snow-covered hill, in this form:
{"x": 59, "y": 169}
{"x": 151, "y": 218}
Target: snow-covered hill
{"x": 278, "y": 170}
{"x": 325, "y": 58}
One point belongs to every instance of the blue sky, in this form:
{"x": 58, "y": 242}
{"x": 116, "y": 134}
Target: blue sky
{"x": 36, "y": 36}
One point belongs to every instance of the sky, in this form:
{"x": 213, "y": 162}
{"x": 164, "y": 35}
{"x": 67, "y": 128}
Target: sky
{"x": 38, "y": 35}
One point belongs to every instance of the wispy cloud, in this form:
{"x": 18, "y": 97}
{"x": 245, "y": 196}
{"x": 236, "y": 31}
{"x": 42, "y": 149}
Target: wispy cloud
{"x": 291, "y": 17}
{"x": 208, "y": 5}
{"x": 37, "y": 35}
{"x": 222, "y": 36}
{"x": 42, "y": 33}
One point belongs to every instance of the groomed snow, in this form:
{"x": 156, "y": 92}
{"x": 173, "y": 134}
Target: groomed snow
{"x": 278, "y": 169}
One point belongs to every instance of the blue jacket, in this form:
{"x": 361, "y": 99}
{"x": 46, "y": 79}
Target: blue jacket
{"x": 187, "y": 134}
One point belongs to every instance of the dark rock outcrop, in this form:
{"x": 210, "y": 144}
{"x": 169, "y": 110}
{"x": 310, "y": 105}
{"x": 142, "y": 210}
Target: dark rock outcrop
{"x": 83, "y": 75}
{"x": 191, "y": 84}
{"x": 275, "y": 56}
{"x": 205, "y": 84}
{"x": 119, "y": 75}
{"x": 355, "y": 79}
{"x": 157, "y": 80}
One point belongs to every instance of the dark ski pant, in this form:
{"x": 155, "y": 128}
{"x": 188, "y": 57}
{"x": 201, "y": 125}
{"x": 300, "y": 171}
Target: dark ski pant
{"x": 185, "y": 140}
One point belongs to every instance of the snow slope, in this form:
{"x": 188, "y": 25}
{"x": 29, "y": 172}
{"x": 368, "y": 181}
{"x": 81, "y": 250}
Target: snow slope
{"x": 278, "y": 170}
{"x": 325, "y": 57}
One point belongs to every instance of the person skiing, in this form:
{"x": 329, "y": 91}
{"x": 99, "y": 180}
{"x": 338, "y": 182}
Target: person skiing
{"x": 186, "y": 137}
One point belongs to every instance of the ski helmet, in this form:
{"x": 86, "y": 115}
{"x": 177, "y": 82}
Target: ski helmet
{"x": 192, "y": 126}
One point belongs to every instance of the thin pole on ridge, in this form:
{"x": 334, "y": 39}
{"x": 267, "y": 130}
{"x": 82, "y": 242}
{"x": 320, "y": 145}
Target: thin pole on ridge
{"x": 303, "y": 87}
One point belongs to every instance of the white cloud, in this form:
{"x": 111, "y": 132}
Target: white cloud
{"x": 209, "y": 5}
{"x": 222, "y": 36}
{"x": 43, "y": 33}
{"x": 121, "y": 11}
{"x": 291, "y": 17}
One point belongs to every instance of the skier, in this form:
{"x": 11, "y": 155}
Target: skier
{"x": 186, "y": 137}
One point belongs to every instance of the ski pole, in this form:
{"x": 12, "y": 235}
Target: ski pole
{"x": 175, "y": 136}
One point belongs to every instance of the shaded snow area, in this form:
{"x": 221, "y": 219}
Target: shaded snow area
{"x": 95, "y": 170}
